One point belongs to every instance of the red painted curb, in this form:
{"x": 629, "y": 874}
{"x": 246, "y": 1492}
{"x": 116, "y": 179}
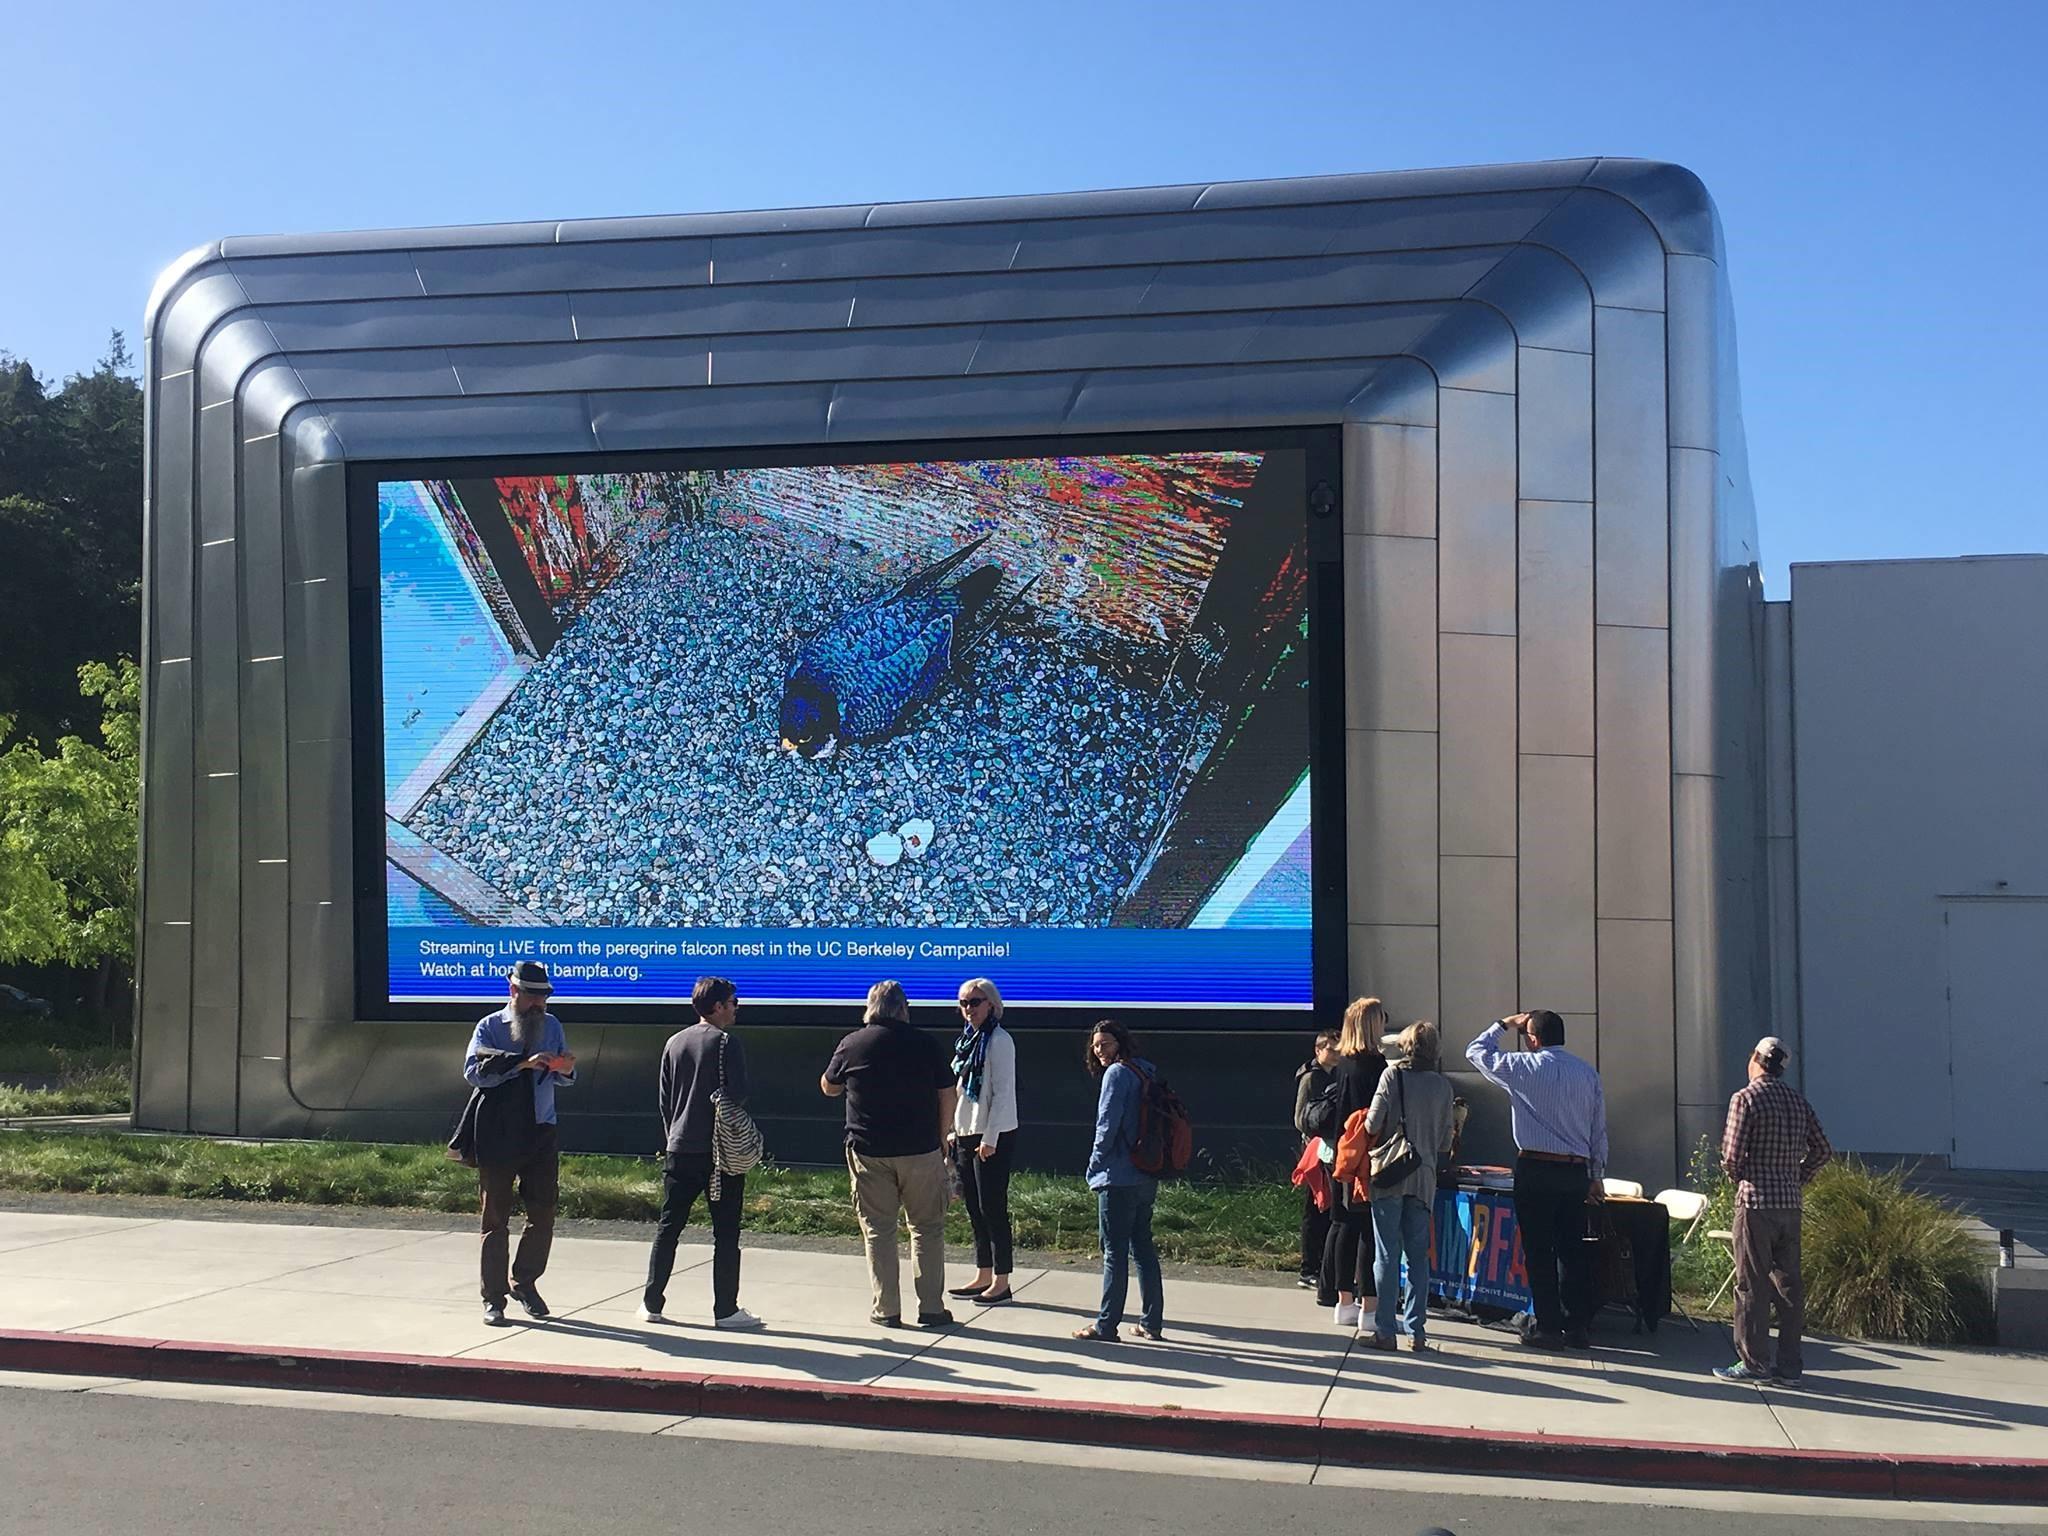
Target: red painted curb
{"x": 1354, "y": 1442}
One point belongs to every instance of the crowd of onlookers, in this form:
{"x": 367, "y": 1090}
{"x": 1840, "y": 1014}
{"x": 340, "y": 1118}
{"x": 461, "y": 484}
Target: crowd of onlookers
{"x": 1378, "y": 1120}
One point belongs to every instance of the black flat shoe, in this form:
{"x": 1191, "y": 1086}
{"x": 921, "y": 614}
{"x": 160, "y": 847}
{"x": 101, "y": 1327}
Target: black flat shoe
{"x": 967, "y": 1290}
{"x": 996, "y": 1298}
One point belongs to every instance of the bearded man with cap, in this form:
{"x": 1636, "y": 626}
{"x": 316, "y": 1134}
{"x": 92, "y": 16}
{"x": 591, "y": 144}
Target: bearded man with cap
{"x": 517, "y": 1058}
{"x": 1772, "y": 1146}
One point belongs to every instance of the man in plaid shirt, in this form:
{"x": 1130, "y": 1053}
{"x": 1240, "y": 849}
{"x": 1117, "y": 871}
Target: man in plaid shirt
{"x": 1772, "y": 1146}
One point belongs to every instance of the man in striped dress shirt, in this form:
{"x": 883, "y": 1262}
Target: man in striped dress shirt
{"x": 1771, "y": 1146}
{"x": 1560, "y": 1125}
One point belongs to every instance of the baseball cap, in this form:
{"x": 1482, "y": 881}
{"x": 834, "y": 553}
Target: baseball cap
{"x": 531, "y": 976}
{"x": 1771, "y": 1049}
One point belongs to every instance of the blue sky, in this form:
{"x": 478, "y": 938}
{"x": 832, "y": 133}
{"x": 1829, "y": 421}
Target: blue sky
{"x": 1878, "y": 166}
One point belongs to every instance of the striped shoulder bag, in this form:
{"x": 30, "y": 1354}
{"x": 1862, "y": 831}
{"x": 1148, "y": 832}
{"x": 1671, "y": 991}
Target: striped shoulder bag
{"x": 736, "y": 1145}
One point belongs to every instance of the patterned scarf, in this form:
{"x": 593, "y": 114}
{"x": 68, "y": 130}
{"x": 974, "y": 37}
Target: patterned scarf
{"x": 970, "y": 1055}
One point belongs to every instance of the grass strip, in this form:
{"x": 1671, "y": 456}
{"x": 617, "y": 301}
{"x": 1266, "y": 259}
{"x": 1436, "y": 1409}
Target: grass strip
{"x": 1252, "y": 1225}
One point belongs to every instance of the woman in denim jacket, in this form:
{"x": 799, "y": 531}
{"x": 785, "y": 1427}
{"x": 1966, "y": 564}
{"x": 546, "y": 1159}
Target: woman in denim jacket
{"x": 1124, "y": 1196}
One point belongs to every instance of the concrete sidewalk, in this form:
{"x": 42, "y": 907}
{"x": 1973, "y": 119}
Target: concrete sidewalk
{"x": 1255, "y": 1363}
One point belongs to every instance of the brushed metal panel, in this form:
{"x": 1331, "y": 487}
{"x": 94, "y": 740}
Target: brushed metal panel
{"x": 700, "y": 226}
{"x": 1582, "y": 1035}
{"x": 1397, "y": 965}
{"x": 857, "y": 354}
{"x": 1476, "y": 512}
{"x": 316, "y": 528}
{"x": 1479, "y": 949}
{"x": 214, "y": 500}
{"x": 319, "y": 776}
{"x": 1474, "y": 348}
{"x": 266, "y": 953}
{"x": 1631, "y": 500}
{"x": 1489, "y": 218}
{"x": 216, "y": 889}
{"x": 1390, "y": 811}
{"x": 1544, "y": 297}
{"x": 1401, "y": 392}
{"x": 1037, "y": 205}
{"x": 232, "y": 349}
{"x": 1637, "y": 1064}
{"x": 215, "y": 661}
{"x": 322, "y": 983}
{"x": 1612, "y": 243}
{"x": 265, "y": 809}
{"x": 185, "y": 322}
{"x": 266, "y": 1108}
{"x": 163, "y": 1051}
{"x": 989, "y": 296}
{"x": 1557, "y": 884}
{"x": 1275, "y": 394}
{"x": 1111, "y": 342}
{"x": 1694, "y": 577}
{"x": 1632, "y": 806}
{"x": 1671, "y": 197}
{"x": 715, "y": 311}
{"x": 866, "y": 252}
{"x": 238, "y": 247}
{"x": 551, "y": 367}
{"x": 1555, "y": 624}
{"x": 1777, "y": 646}
{"x": 1390, "y": 480}
{"x": 420, "y": 322}
{"x": 1476, "y": 715}
{"x": 271, "y": 392}
{"x": 1695, "y": 359}
{"x": 1561, "y": 175}
{"x": 888, "y": 408}
{"x": 172, "y": 519}
{"x": 564, "y": 267}
{"x": 394, "y": 373}
{"x": 1353, "y": 332}
{"x": 1390, "y": 641}
{"x": 327, "y": 275}
{"x": 379, "y": 429}
{"x": 1220, "y": 235}
{"x": 316, "y": 645}
{"x": 713, "y": 418}
{"x": 216, "y": 1061}
{"x": 1400, "y": 277}
{"x": 1698, "y": 911}
{"x": 259, "y": 549}
{"x": 1556, "y": 426}
{"x": 168, "y": 790}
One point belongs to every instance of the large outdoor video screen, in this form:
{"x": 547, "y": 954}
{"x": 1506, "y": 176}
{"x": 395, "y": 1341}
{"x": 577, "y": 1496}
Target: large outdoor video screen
{"x": 1046, "y": 719}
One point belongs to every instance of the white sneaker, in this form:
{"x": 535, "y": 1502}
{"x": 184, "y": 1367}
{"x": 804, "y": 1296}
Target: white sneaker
{"x": 647, "y": 1316}
{"x": 1347, "y": 1314}
{"x": 739, "y": 1317}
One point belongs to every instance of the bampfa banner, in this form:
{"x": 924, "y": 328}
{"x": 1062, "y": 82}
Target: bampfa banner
{"x": 1477, "y": 1255}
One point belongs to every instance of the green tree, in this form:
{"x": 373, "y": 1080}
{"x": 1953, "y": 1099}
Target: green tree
{"x": 68, "y": 839}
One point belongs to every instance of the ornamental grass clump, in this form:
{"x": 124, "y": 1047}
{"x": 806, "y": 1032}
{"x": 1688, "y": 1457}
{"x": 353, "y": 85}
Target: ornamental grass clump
{"x": 1884, "y": 1262}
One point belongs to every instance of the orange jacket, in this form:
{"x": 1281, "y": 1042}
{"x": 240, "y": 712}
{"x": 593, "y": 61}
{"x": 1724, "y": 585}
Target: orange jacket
{"x": 1353, "y": 1165}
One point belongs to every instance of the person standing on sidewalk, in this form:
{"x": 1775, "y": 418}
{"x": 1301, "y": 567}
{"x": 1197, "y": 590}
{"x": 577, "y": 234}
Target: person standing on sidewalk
{"x": 517, "y": 1057}
{"x": 1347, "y": 1252}
{"x": 1772, "y": 1146}
{"x": 1413, "y": 1099}
{"x": 1311, "y": 1078}
{"x": 983, "y": 1142}
{"x": 1560, "y": 1124}
{"x": 899, "y": 1093}
{"x": 1124, "y": 1195}
{"x": 696, "y": 1063}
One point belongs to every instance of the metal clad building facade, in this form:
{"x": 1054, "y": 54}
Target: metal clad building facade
{"x": 1552, "y": 683}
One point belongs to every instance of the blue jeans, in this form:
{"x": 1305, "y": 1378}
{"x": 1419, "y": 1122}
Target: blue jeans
{"x": 1400, "y": 1226}
{"x": 1126, "y": 1230}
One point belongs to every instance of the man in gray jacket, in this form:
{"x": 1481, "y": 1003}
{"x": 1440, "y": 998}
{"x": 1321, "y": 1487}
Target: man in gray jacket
{"x": 1412, "y": 1104}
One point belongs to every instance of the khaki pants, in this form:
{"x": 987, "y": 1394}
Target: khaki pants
{"x": 539, "y": 1180}
{"x": 916, "y": 1186}
{"x": 1767, "y": 1274}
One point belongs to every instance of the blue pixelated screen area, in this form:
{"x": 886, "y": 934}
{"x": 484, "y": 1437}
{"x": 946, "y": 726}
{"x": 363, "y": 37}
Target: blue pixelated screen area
{"x": 1045, "y": 719}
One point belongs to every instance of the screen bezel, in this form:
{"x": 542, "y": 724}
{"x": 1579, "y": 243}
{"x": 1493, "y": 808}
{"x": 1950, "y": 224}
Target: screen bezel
{"x": 1323, "y": 478}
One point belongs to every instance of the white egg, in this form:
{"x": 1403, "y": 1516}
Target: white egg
{"x": 885, "y": 848}
{"x": 917, "y": 836}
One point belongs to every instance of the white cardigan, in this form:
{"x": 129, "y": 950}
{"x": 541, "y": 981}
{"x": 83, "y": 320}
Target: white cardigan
{"x": 996, "y": 1110}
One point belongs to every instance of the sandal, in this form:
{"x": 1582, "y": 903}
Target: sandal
{"x": 1145, "y": 1335}
{"x": 1093, "y": 1335}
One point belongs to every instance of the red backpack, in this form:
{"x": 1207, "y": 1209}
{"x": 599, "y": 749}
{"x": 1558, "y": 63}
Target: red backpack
{"x": 1166, "y": 1136}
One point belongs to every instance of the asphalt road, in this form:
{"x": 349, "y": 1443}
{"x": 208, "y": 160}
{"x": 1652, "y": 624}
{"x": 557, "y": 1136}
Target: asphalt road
{"x": 75, "y": 1462}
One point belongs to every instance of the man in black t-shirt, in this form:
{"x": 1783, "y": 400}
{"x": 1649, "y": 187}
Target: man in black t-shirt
{"x": 899, "y": 1091}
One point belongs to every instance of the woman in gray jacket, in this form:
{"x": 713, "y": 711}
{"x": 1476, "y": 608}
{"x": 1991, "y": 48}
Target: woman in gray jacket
{"x": 1414, "y": 1097}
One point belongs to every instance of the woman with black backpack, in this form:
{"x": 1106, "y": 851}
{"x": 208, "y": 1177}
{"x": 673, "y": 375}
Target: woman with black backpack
{"x": 1311, "y": 1117}
{"x": 1124, "y": 1192}
{"x": 1347, "y": 1256}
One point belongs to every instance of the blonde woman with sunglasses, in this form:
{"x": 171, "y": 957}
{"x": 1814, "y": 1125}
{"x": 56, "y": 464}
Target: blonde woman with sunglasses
{"x": 984, "y": 1140}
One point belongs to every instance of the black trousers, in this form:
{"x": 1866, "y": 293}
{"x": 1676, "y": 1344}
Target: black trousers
{"x": 1550, "y": 1208}
{"x": 685, "y": 1176}
{"x": 539, "y": 1179}
{"x": 1348, "y": 1250}
{"x": 985, "y": 1191}
{"x": 1315, "y": 1235}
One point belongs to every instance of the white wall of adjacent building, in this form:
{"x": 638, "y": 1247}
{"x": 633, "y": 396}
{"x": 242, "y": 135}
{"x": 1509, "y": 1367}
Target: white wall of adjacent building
{"x": 1914, "y": 734}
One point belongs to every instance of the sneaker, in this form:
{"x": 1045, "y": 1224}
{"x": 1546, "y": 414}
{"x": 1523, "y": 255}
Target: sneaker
{"x": 529, "y": 1298}
{"x": 886, "y": 1319}
{"x": 494, "y": 1314}
{"x": 1308, "y": 1282}
{"x": 652, "y": 1315}
{"x": 1346, "y": 1314}
{"x": 1739, "y": 1372}
{"x": 738, "y": 1317}
{"x": 1788, "y": 1378}
{"x": 940, "y": 1319}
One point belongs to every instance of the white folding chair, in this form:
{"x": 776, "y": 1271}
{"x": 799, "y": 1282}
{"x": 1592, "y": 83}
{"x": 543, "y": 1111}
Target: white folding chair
{"x": 1688, "y": 1206}
{"x": 1622, "y": 1189}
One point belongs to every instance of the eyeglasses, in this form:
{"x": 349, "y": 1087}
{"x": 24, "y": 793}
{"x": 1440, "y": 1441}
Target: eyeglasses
{"x": 973, "y": 1002}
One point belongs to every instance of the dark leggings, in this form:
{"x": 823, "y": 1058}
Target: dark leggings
{"x": 985, "y": 1190}
{"x": 1348, "y": 1246}
{"x": 1315, "y": 1234}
